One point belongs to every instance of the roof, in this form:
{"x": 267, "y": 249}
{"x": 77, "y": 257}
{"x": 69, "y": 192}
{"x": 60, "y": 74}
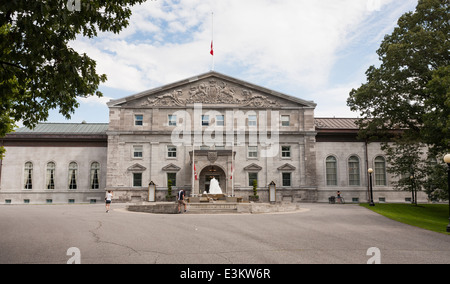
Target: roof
{"x": 66, "y": 129}
{"x": 336, "y": 123}
{"x": 210, "y": 74}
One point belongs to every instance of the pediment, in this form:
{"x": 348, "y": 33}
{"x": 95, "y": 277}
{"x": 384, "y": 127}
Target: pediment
{"x": 171, "y": 168}
{"x": 287, "y": 167}
{"x": 137, "y": 168}
{"x": 212, "y": 89}
{"x": 253, "y": 167}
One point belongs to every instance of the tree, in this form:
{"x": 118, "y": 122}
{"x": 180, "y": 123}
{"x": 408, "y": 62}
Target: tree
{"x": 410, "y": 89}
{"x": 39, "y": 71}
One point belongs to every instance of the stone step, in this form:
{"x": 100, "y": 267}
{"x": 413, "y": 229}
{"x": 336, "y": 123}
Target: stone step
{"x": 211, "y": 208}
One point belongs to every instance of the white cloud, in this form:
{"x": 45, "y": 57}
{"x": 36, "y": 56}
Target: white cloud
{"x": 292, "y": 44}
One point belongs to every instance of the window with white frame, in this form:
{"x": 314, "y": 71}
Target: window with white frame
{"x": 172, "y": 120}
{"x": 353, "y": 171}
{"x": 73, "y": 175}
{"x": 50, "y": 176}
{"x": 138, "y": 120}
{"x": 285, "y": 120}
{"x": 252, "y": 152}
{"x": 287, "y": 179}
{"x": 138, "y": 151}
{"x": 220, "y": 120}
{"x": 172, "y": 177}
{"x": 171, "y": 151}
{"x": 28, "y": 175}
{"x": 331, "y": 171}
{"x": 380, "y": 171}
{"x": 252, "y": 120}
{"x": 251, "y": 177}
{"x": 285, "y": 151}
{"x": 95, "y": 175}
{"x": 137, "y": 179}
{"x": 205, "y": 120}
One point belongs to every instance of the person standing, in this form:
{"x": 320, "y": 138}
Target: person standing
{"x": 108, "y": 199}
{"x": 181, "y": 201}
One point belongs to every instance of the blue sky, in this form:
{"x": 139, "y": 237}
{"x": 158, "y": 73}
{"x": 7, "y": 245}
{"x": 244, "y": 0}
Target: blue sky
{"x": 314, "y": 50}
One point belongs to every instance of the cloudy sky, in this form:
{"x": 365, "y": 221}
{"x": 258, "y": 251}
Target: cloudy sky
{"x": 315, "y": 50}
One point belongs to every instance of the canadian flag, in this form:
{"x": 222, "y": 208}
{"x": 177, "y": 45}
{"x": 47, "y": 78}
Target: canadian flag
{"x": 231, "y": 177}
{"x": 195, "y": 173}
{"x": 212, "y": 49}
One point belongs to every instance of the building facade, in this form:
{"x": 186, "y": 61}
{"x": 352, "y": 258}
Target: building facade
{"x": 188, "y": 132}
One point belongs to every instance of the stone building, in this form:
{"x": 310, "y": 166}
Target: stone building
{"x": 188, "y": 132}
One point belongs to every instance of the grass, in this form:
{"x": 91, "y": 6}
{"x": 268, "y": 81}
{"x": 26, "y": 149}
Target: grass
{"x": 433, "y": 217}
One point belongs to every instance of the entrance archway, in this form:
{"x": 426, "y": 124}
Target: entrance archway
{"x": 208, "y": 173}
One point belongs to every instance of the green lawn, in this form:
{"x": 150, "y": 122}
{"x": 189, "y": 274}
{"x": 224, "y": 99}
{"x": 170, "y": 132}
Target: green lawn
{"x": 433, "y": 217}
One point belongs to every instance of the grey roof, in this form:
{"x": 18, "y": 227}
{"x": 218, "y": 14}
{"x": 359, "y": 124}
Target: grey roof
{"x": 336, "y": 123}
{"x": 66, "y": 128}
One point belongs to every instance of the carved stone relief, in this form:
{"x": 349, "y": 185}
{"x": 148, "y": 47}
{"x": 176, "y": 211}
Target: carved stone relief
{"x": 212, "y": 92}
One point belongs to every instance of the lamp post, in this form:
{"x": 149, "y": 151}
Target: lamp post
{"x": 370, "y": 171}
{"x": 447, "y": 161}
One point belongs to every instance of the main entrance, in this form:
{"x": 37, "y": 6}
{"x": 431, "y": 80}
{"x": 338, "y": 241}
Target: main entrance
{"x": 208, "y": 174}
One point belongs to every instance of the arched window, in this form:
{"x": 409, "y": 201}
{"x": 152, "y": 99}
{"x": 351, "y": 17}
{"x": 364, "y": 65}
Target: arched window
{"x": 353, "y": 171}
{"x": 28, "y": 175}
{"x": 95, "y": 175}
{"x": 331, "y": 169}
{"x": 73, "y": 173}
{"x": 380, "y": 171}
{"x": 50, "y": 178}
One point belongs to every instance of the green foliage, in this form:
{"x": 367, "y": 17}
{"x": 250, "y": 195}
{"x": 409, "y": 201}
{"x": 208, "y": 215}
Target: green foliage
{"x": 409, "y": 91}
{"x": 255, "y": 188}
{"x": 416, "y": 168}
{"x": 169, "y": 188}
{"x": 39, "y": 71}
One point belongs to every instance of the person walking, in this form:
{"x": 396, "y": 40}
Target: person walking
{"x": 181, "y": 201}
{"x": 108, "y": 199}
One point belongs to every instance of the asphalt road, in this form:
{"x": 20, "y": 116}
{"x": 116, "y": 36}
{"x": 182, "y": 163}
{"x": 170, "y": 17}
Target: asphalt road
{"x": 318, "y": 234}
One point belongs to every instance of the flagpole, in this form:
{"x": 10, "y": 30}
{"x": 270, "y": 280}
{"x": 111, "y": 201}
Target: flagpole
{"x": 193, "y": 169}
{"x": 212, "y": 41}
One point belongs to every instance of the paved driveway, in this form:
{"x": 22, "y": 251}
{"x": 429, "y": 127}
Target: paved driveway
{"x": 320, "y": 233}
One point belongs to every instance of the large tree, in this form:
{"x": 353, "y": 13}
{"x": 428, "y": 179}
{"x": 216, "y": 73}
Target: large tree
{"x": 39, "y": 71}
{"x": 410, "y": 90}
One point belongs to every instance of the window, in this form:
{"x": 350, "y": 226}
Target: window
{"x": 137, "y": 179}
{"x": 172, "y": 120}
{"x": 251, "y": 178}
{"x": 138, "y": 151}
{"x": 253, "y": 151}
{"x": 252, "y": 120}
{"x": 73, "y": 173}
{"x": 220, "y": 120}
{"x": 50, "y": 178}
{"x": 205, "y": 120}
{"x": 331, "y": 171}
{"x": 286, "y": 151}
{"x": 139, "y": 120}
{"x": 285, "y": 120}
{"x": 28, "y": 175}
{"x": 380, "y": 171}
{"x": 172, "y": 177}
{"x": 95, "y": 175}
{"x": 171, "y": 151}
{"x": 287, "y": 179}
{"x": 353, "y": 171}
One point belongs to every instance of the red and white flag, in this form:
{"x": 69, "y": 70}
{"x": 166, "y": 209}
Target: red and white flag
{"x": 231, "y": 177}
{"x": 195, "y": 172}
{"x": 212, "y": 49}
